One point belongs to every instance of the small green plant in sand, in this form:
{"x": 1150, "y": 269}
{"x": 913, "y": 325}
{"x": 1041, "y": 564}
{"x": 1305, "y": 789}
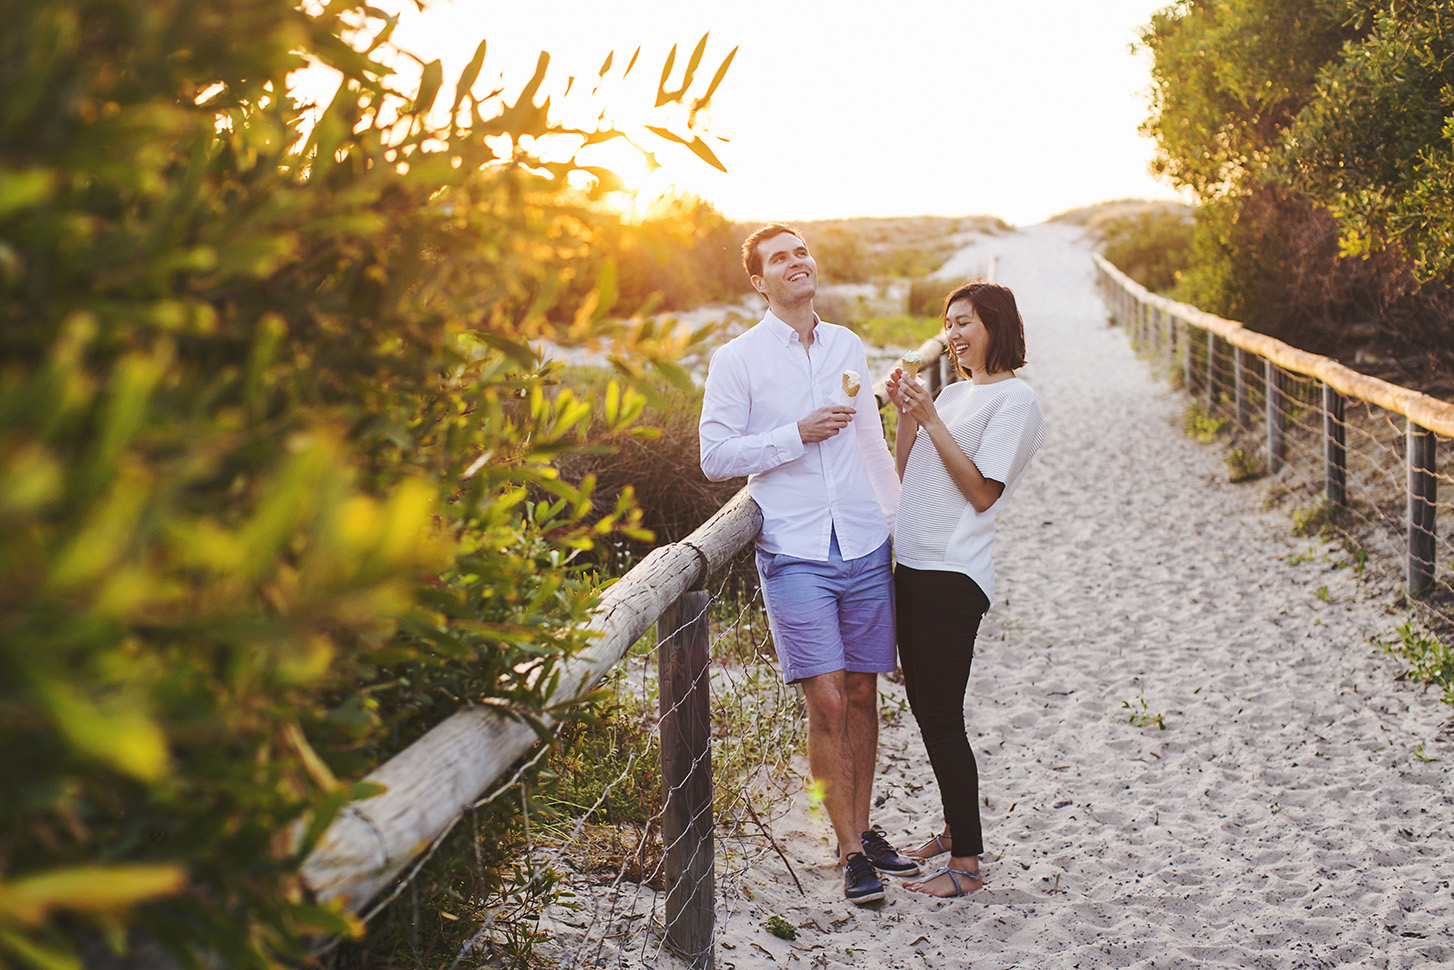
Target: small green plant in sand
{"x": 1275, "y": 808}
{"x": 1357, "y": 558}
{"x": 891, "y": 708}
{"x": 605, "y": 764}
{"x": 781, "y": 928}
{"x": 1202, "y": 426}
{"x": 1321, "y": 520}
{"x": 1142, "y": 716}
{"x": 1322, "y": 593}
{"x": 1430, "y": 660}
{"x": 1419, "y": 753}
{"x": 1244, "y": 467}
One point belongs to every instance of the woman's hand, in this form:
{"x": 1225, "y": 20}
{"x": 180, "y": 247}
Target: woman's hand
{"x": 894, "y": 386}
{"x": 908, "y": 427}
{"x": 914, "y": 400}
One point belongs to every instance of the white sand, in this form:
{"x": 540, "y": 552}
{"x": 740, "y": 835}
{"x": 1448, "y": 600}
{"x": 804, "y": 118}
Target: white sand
{"x": 1281, "y": 819}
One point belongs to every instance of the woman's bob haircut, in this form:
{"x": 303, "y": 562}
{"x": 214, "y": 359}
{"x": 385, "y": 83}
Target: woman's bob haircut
{"x": 995, "y": 306}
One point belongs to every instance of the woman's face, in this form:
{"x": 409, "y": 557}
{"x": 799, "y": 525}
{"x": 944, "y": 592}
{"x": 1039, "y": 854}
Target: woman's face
{"x": 968, "y": 339}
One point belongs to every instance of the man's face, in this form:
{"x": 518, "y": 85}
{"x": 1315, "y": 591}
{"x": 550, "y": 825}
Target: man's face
{"x": 789, "y": 275}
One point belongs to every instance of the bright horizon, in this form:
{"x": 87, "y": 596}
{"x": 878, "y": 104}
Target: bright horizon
{"x": 1018, "y": 111}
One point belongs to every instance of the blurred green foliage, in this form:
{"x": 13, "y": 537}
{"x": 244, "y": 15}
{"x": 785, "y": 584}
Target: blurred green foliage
{"x": 1152, "y": 246}
{"x": 1375, "y": 143}
{"x": 684, "y": 253}
{"x": 1314, "y": 135}
{"x": 899, "y": 331}
{"x": 277, "y": 458}
{"x": 866, "y": 249}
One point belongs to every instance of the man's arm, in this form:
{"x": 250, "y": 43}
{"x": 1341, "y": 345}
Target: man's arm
{"x": 727, "y": 451}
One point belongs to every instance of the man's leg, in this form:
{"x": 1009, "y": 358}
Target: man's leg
{"x": 862, "y": 729}
{"x": 834, "y": 758}
{"x": 866, "y": 619}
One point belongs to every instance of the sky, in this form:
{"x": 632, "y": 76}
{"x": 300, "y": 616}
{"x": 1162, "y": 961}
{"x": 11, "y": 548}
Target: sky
{"x": 1019, "y": 109}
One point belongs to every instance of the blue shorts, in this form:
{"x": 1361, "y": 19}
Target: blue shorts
{"x": 828, "y": 616}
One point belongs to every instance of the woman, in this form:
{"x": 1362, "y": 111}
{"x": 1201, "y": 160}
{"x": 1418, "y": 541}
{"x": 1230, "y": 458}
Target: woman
{"x": 959, "y": 459}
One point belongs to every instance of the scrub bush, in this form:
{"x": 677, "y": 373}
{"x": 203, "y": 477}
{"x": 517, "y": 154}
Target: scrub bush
{"x": 271, "y": 417}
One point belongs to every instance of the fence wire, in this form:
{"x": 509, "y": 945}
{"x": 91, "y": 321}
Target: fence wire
{"x": 1346, "y": 461}
{"x": 609, "y": 855}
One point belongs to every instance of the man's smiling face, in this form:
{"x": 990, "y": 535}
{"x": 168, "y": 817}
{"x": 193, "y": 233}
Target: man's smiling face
{"x": 789, "y": 275}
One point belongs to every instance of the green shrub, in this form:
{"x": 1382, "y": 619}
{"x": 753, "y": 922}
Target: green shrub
{"x": 1430, "y": 660}
{"x": 657, "y": 468}
{"x": 1202, "y": 426}
{"x": 1152, "y": 246}
{"x": 926, "y": 296}
{"x": 900, "y": 331}
{"x": 1244, "y": 467}
{"x": 270, "y": 414}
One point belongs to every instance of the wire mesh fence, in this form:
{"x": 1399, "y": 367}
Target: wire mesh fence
{"x": 637, "y": 876}
{"x": 1361, "y": 456}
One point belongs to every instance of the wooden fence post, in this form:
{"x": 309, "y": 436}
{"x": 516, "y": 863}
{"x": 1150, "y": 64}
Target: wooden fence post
{"x": 1214, "y": 376}
{"x": 1168, "y": 339}
{"x": 1239, "y": 382}
{"x": 683, "y": 638}
{"x": 1276, "y": 440}
{"x": 1335, "y": 448}
{"x": 1423, "y": 493}
{"x": 1188, "y": 357}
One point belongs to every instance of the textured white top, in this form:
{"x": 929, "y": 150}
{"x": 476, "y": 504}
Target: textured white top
{"x": 999, "y": 426}
{"x": 759, "y": 385}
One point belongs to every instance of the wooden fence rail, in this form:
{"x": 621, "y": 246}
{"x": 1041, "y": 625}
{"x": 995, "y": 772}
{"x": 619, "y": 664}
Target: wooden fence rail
{"x": 436, "y": 779}
{"x": 1425, "y": 416}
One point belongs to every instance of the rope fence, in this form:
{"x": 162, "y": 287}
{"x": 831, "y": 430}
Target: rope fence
{"x": 1363, "y": 453}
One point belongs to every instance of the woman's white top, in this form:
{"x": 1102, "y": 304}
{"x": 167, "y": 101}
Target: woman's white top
{"x": 999, "y": 426}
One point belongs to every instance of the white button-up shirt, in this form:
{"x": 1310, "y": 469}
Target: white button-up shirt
{"x": 759, "y": 386}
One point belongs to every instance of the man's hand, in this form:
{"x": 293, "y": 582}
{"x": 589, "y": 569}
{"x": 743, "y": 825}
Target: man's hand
{"x": 825, "y": 422}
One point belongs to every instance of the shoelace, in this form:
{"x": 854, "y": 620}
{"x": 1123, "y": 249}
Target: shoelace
{"x": 875, "y": 844}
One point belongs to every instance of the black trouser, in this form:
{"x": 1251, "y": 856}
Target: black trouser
{"x": 938, "y": 616}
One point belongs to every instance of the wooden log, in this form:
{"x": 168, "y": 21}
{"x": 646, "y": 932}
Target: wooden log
{"x": 432, "y": 782}
{"x": 1276, "y": 438}
{"x": 683, "y": 638}
{"x": 1427, "y": 412}
{"x": 1335, "y": 450}
{"x": 1423, "y": 494}
{"x": 1242, "y": 394}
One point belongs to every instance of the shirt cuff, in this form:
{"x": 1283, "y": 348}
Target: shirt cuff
{"x": 787, "y": 442}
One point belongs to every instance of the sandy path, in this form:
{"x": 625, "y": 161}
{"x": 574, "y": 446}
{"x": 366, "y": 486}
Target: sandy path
{"x": 1281, "y": 818}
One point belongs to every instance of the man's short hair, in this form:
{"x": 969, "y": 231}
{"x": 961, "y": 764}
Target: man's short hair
{"x": 751, "y": 258}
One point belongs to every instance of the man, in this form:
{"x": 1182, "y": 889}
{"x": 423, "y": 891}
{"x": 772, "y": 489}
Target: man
{"x": 822, "y": 475}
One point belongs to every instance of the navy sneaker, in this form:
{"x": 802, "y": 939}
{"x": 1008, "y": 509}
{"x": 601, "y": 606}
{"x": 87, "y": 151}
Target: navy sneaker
{"x": 860, "y": 883}
{"x": 884, "y": 857}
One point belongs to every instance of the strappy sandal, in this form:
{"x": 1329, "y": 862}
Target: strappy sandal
{"x": 953, "y": 875}
{"x": 941, "y": 844}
